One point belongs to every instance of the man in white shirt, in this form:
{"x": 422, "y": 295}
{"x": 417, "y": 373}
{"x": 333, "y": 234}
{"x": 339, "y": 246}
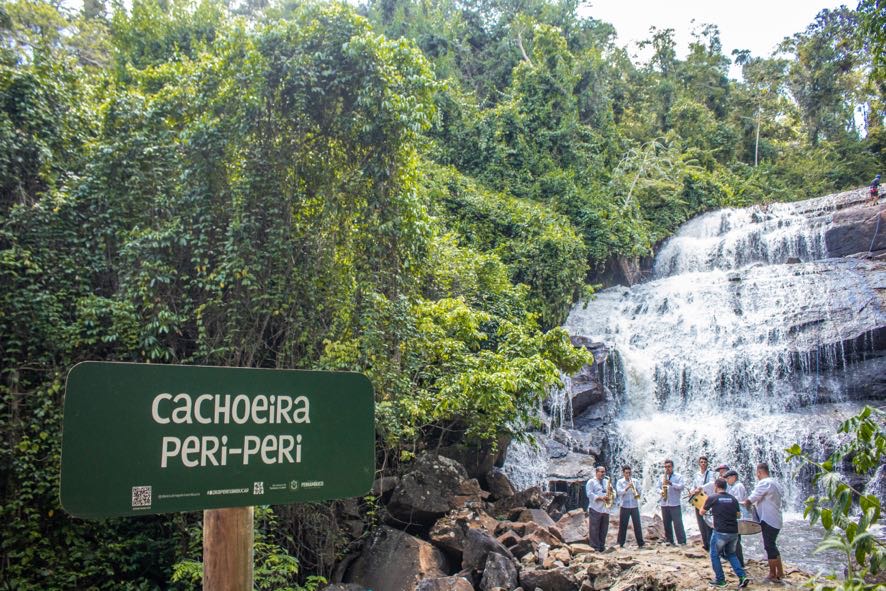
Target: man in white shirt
{"x": 628, "y": 490}
{"x": 737, "y": 490}
{"x": 703, "y": 481}
{"x": 598, "y": 513}
{"x": 766, "y": 497}
{"x": 671, "y": 514}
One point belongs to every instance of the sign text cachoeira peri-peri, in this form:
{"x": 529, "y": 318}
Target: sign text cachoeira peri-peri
{"x": 144, "y": 438}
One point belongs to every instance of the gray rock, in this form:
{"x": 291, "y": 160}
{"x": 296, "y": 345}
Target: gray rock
{"x": 854, "y": 231}
{"x": 428, "y": 491}
{"x": 499, "y": 572}
{"x": 499, "y": 485}
{"x": 454, "y": 583}
{"x": 395, "y": 561}
{"x": 555, "y": 579}
{"x": 574, "y": 526}
{"x": 477, "y": 547}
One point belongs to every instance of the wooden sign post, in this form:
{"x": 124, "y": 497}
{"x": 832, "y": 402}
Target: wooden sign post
{"x": 227, "y": 549}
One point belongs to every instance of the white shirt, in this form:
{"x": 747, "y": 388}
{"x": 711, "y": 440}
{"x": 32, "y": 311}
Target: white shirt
{"x": 596, "y": 488}
{"x": 738, "y": 491}
{"x": 674, "y": 491}
{"x": 767, "y": 498}
{"x": 704, "y": 481}
{"x": 625, "y": 494}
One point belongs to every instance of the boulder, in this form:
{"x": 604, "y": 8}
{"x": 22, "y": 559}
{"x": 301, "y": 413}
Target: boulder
{"x": 395, "y": 561}
{"x": 555, "y": 579}
{"x": 428, "y": 491}
{"x": 448, "y": 533}
{"x": 531, "y": 498}
{"x": 478, "y": 459}
{"x": 574, "y": 526}
{"x": 478, "y": 546}
{"x": 534, "y": 515}
{"x": 499, "y": 572}
{"x": 499, "y": 485}
{"x": 454, "y": 583}
{"x": 854, "y": 230}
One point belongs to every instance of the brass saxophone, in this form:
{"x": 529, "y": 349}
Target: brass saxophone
{"x": 664, "y": 487}
{"x": 610, "y": 495}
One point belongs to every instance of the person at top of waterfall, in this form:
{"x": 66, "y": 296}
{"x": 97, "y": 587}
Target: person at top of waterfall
{"x": 671, "y": 513}
{"x": 725, "y": 509}
{"x": 875, "y": 189}
{"x": 737, "y": 490}
{"x": 598, "y": 513}
{"x": 766, "y": 497}
{"x": 628, "y": 491}
{"x": 703, "y": 481}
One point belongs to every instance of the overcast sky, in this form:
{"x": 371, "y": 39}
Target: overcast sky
{"x": 758, "y": 25}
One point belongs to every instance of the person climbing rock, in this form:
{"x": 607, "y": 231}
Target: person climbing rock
{"x": 875, "y": 190}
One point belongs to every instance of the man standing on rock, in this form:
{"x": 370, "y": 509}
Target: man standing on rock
{"x": 704, "y": 478}
{"x": 628, "y": 493}
{"x": 767, "y": 498}
{"x": 671, "y": 513}
{"x": 726, "y": 511}
{"x": 598, "y": 517}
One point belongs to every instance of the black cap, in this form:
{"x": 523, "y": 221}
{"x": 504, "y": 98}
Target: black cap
{"x": 731, "y": 473}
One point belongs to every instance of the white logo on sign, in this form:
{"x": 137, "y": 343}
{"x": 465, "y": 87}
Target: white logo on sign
{"x": 258, "y": 488}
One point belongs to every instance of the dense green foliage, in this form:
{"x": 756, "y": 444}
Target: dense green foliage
{"x": 848, "y": 531}
{"x": 420, "y": 193}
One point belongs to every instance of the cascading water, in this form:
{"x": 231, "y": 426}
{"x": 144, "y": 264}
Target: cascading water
{"x": 747, "y": 339}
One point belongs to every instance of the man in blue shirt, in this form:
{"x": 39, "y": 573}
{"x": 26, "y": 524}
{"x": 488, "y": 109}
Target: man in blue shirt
{"x": 671, "y": 513}
{"x": 628, "y": 492}
{"x": 726, "y": 512}
{"x": 598, "y": 513}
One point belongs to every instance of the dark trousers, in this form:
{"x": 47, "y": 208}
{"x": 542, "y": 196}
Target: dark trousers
{"x": 598, "y": 527}
{"x": 672, "y": 519}
{"x": 704, "y": 529}
{"x": 769, "y": 535}
{"x": 623, "y": 516}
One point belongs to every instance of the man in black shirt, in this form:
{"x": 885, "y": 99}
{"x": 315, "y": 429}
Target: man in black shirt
{"x": 726, "y": 512}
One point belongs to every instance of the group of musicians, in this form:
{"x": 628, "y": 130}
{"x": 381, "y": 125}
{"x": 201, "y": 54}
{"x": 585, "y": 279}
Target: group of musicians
{"x": 727, "y": 500}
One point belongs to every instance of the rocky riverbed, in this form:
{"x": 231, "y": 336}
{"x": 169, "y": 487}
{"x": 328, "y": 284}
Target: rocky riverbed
{"x": 443, "y": 530}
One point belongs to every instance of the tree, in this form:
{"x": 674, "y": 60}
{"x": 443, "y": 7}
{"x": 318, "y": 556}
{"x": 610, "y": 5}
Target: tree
{"x": 848, "y": 532}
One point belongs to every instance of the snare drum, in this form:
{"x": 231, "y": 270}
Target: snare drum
{"x": 748, "y": 527}
{"x": 698, "y": 500}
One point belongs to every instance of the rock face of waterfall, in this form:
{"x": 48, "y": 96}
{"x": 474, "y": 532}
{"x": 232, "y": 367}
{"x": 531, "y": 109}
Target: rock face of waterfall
{"x": 758, "y": 328}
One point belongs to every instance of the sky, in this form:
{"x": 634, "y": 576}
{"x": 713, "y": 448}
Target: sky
{"x": 758, "y": 25}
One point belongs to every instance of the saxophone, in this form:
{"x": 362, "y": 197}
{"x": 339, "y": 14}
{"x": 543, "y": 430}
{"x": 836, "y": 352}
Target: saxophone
{"x": 610, "y": 495}
{"x": 664, "y": 487}
{"x": 633, "y": 488}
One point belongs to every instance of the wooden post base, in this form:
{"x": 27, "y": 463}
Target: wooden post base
{"x": 227, "y": 549}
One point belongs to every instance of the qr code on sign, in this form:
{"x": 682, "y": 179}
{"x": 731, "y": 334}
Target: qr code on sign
{"x": 141, "y": 496}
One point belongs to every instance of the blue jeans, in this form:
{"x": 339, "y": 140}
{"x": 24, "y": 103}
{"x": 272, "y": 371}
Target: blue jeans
{"x": 725, "y": 543}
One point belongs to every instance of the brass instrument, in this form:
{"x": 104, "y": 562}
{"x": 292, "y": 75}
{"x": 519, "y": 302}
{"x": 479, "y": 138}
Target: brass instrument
{"x": 633, "y": 488}
{"x": 664, "y": 487}
{"x": 610, "y": 495}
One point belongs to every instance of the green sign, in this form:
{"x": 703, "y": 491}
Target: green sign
{"x": 141, "y": 439}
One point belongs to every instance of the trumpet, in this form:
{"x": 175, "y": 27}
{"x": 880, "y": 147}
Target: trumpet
{"x": 633, "y": 488}
{"x": 610, "y": 495}
{"x": 664, "y": 487}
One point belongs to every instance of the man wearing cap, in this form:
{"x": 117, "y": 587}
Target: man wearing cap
{"x": 737, "y": 490}
{"x": 598, "y": 514}
{"x": 704, "y": 479}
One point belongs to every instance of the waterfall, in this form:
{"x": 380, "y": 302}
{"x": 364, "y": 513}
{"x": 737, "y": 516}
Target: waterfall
{"x": 746, "y": 339}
